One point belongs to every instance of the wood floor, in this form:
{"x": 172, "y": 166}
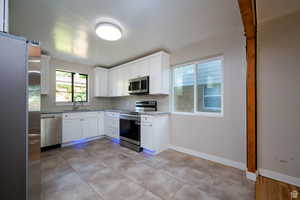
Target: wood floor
{"x": 269, "y": 189}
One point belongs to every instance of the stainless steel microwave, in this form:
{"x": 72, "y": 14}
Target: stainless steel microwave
{"x": 139, "y": 86}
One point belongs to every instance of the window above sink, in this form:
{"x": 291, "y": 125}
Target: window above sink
{"x": 71, "y": 87}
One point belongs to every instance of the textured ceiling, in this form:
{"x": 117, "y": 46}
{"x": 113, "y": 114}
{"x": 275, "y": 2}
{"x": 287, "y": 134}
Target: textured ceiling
{"x": 66, "y": 27}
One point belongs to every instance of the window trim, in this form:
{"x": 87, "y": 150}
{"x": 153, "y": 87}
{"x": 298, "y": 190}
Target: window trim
{"x": 195, "y": 112}
{"x": 72, "y": 102}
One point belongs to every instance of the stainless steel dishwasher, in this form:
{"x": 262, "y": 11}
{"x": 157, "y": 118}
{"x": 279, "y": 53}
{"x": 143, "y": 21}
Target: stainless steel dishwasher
{"x": 51, "y": 128}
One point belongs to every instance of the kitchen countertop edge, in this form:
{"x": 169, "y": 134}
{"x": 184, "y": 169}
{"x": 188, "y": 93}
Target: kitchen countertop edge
{"x": 105, "y": 110}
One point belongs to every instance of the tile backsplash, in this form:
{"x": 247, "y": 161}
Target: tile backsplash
{"x": 128, "y": 103}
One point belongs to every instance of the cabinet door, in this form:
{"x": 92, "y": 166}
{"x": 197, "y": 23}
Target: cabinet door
{"x": 134, "y": 68}
{"x": 101, "y": 123}
{"x": 124, "y": 76}
{"x": 155, "y": 71}
{"x": 72, "y": 130}
{"x": 116, "y": 128}
{"x": 107, "y": 125}
{"x": 119, "y": 81}
{"x": 147, "y": 136}
{"x": 101, "y": 81}
{"x": 143, "y": 67}
{"x": 110, "y": 76}
{"x": 90, "y": 127}
{"x": 113, "y": 83}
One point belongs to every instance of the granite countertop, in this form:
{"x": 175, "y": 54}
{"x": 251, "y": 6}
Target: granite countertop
{"x": 106, "y": 110}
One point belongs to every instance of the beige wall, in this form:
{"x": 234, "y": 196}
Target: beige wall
{"x": 225, "y": 136}
{"x": 279, "y": 95}
{"x": 48, "y": 101}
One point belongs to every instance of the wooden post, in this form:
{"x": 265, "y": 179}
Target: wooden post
{"x": 248, "y": 14}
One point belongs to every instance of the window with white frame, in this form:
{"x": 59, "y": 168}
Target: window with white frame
{"x": 198, "y": 87}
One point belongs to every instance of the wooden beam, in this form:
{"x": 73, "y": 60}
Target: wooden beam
{"x": 248, "y": 14}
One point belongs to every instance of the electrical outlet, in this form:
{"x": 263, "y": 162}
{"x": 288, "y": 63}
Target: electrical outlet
{"x": 294, "y": 194}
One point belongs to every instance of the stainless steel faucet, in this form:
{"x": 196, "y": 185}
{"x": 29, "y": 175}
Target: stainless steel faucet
{"x": 77, "y": 106}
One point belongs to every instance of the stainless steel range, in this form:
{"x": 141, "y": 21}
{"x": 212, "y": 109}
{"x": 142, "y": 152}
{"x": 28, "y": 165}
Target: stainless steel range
{"x": 130, "y": 124}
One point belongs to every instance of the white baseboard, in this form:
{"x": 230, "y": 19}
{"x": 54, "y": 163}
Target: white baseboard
{"x": 280, "y": 177}
{"x": 251, "y": 176}
{"x": 213, "y": 158}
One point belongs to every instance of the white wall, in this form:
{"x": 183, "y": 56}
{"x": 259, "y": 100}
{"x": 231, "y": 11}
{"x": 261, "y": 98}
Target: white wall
{"x": 223, "y": 137}
{"x": 279, "y": 97}
{"x": 48, "y": 101}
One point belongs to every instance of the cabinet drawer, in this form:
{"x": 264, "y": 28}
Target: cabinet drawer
{"x": 112, "y": 114}
{"x": 146, "y": 119}
{"x": 72, "y": 116}
{"x": 90, "y": 114}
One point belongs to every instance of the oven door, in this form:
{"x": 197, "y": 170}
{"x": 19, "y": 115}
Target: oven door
{"x": 130, "y": 129}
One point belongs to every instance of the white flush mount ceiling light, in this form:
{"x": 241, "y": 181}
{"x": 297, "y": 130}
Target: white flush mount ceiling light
{"x": 108, "y": 31}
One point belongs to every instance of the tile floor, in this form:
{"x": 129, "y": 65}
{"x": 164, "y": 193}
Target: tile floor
{"x": 102, "y": 170}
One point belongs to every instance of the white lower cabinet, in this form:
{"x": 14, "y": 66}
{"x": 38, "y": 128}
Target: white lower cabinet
{"x": 71, "y": 130}
{"x": 155, "y": 133}
{"x": 101, "y": 123}
{"x": 90, "y": 127}
{"x": 76, "y": 126}
{"x": 112, "y": 124}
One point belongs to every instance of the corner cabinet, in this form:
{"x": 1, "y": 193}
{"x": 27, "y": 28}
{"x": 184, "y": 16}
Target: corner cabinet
{"x": 114, "y": 82}
{"x": 155, "y": 133}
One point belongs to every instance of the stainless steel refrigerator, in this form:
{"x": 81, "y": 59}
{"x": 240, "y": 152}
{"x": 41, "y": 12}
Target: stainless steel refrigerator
{"x": 20, "y": 122}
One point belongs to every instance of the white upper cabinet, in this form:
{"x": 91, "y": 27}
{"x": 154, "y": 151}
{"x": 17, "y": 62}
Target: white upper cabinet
{"x": 101, "y": 81}
{"x": 4, "y": 15}
{"x": 114, "y": 82}
{"x": 139, "y": 69}
{"x": 45, "y": 74}
{"x": 159, "y": 73}
{"x": 124, "y": 77}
